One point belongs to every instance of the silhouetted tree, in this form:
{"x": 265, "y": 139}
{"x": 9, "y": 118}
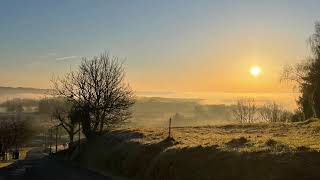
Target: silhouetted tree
{"x": 48, "y": 105}
{"x": 98, "y": 90}
{"x": 307, "y": 76}
{"x": 67, "y": 118}
{"x": 15, "y": 130}
{"x": 298, "y": 115}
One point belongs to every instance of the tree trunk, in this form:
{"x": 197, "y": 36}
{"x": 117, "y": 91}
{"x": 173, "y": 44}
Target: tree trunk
{"x": 312, "y": 103}
{"x": 71, "y": 137}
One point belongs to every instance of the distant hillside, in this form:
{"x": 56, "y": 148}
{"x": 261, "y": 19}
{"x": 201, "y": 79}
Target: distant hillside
{"x": 18, "y": 90}
{"x": 21, "y": 92}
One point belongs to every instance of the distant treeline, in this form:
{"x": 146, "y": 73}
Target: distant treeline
{"x": 29, "y": 105}
{"x": 17, "y": 90}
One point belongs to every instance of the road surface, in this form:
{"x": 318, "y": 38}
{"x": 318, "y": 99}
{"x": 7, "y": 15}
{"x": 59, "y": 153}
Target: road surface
{"x": 37, "y": 166}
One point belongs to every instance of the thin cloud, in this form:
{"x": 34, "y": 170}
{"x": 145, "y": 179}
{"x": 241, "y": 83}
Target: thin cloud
{"x": 51, "y": 54}
{"x": 66, "y": 58}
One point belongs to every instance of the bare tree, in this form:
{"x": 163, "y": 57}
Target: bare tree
{"x": 295, "y": 73}
{"x": 271, "y": 112}
{"x": 15, "y": 130}
{"x": 286, "y": 116}
{"x": 239, "y": 111}
{"x": 245, "y": 110}
{"x": 99, "y": 90}
{"x": 67, "y": 118}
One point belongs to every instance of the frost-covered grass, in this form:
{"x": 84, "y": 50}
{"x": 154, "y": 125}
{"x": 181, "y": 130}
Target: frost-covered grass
{"x": 293, "y": 135}
{"x": 235, "y": 151}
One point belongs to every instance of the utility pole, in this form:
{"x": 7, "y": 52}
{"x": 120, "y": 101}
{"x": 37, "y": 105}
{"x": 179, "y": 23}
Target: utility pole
{"x": 50, "y": 140}
{"x": 79, "y": 135}
{"x": 57, "y": 138}
{"x": 45, "y": 140}
{"x": 170, "y": 128}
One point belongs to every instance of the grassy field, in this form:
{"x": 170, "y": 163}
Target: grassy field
{"x": 236, "y": 151}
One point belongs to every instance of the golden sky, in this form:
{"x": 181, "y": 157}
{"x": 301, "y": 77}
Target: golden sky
{"x": 179, "y": 46}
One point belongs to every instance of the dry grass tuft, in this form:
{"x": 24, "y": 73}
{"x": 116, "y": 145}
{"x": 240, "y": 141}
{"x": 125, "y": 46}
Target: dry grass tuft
{"x": 238, "y": 142}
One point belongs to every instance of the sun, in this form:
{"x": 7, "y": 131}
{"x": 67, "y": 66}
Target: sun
{"x": 255, "y": 71}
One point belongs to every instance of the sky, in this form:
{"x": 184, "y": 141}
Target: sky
{"x": 167, "y": 45}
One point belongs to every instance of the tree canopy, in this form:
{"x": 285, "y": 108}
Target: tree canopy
{"x": 99, "y": 92}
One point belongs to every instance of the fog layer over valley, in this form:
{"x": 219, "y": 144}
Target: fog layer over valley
{"x": 155, "y": 112}
{"x": 154, "y": 109}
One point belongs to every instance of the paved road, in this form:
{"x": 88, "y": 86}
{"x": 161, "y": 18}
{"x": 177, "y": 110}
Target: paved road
{"x": 38, "y": 166}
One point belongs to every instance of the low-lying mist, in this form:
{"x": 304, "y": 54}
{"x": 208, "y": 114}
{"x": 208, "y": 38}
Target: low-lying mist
{"x": 185, "y": 109}
{"x": 156, "y": 112}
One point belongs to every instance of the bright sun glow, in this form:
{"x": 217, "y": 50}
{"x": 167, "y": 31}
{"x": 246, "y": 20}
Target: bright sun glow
{"x": 255, "y": 71}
